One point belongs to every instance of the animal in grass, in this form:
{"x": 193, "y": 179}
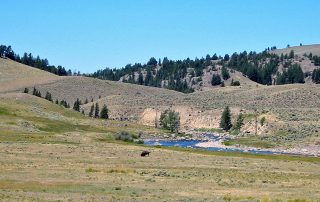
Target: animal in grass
{"x": 145, "y": 153}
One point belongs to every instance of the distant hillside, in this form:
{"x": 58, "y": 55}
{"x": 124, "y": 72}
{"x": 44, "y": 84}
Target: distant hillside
{"x": 284, "y": 66}
{"x": 291, "y": 111}
{"x": 299, "y": 50}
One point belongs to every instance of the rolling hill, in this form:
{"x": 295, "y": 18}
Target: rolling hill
{"x": 50, "y": 153}
{"x": 14, "y": 75}
{"x": 300, "y": 50}
{"x": 291, "y": 111}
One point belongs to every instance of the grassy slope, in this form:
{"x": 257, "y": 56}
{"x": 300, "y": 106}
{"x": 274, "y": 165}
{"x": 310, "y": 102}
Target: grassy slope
{"x": 300, "y": 50}
{"x": 291, "y": 110}
{"x": 49, "y": 153}
{"x": 14, "y": 75}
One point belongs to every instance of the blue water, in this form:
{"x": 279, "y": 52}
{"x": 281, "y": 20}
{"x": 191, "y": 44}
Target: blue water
{"x": 192, "y": 144}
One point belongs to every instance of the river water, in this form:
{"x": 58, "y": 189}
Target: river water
{"x": 193, "y": 144}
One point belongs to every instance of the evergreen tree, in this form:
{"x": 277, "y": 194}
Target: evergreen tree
{"x": 216, "y": 80}
{"x": 26, "y": 90}
{"x": 225, "y": 73}
{"x": 34, "y": 91}
{"x": 226, "y": 57}
{"x": 140, "y": 79}
{"x": 91, "y": 110}
{"x": 239, "y": 122}
{"x": 48, "y": 96}
{"x": 76, "y": 105}
{"x": 149, "y": 78}
{"x": 316, "y": 76}
{"x": 104, "y": 114}
{"x": 152, "y": 62}
{"x": 96, "y": 111}
{"x": 57, "y": 101}
{"x": 291, "y": 54}
{"x": 225, "y": 122}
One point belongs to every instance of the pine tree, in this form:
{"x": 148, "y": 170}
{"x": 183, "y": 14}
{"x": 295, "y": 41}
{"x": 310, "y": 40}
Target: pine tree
{"x": 34, "y": 91}
{"x": 291, "y": 54}
{"x": 104, "y": 112}
{"x": 225, "y": 122}
{"x": 91, "y": 110}
{"x": 76, "y": 105}
{"x": 239, "y": 122}
{"x": 140, "y": 79}
{"x": 57, "y": 101}
{"x": 96, "y": 111}
{"x": 26, "y": 90}
{"x": 216, "y": 80}
{"x": 225, "y": 73}
{"x": 48, "y": 96}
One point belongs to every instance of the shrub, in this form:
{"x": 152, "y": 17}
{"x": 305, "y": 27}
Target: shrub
{"x": 235, "y": 83}
{"x": 125, "y": 136}
{"x": 262, "y": 121}
{"x": 216, "y": 80}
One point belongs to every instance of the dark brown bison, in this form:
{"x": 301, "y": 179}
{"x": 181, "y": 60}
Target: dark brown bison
{"x": 145, "y": 153}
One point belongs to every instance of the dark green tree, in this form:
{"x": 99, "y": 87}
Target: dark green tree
{"x": 225, "y": 73}
{"x": 76, "y": 105}
{"x": 225, "y": 121}
{"x": 91, "y": 110}
{"x": 291, "y": 54}
{"x": 140, "y": 79}
{"x": 215, "y": 80}
{"x": 48, "y": 96}
{"x": 239, "y": 122}
{"x": 96, "y": 111}
{"x": 104, "y": 114}
{"x": 26, "y": 90}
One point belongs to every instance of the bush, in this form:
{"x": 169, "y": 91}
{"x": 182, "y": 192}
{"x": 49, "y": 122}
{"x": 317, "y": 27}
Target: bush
{"x": 216, "y": 80}
{"x": 170, "y": 120}
{"x": 124, "y": 136}
{"x": 235, "y": 83}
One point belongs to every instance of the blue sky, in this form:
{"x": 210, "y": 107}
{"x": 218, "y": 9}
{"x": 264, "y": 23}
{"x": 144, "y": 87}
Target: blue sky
{"x": 90, "y": 35}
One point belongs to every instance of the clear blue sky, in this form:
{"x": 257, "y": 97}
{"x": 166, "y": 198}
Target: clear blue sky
{"x": 90, "y": 35}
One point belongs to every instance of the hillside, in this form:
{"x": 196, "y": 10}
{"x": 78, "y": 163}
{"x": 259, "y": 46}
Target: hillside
{"x": 300, "y": 50}
{"x": 14, "y": 75}
{"x": 50, "y": 153}
{"x": 275, "y": 67}
{"x": 290, "y": 110}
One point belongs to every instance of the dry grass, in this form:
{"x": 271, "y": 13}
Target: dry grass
{"x": 291, "y": 110}
{"x": 101, "y": 171}
{"x": 300, "y": 50}
{"x": 62, "y": 155}
{"x": 14, "y": 75}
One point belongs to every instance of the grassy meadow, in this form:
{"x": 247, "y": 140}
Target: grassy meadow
{"x": 49, "y": 153}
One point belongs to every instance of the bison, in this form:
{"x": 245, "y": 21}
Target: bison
{"x": 145, "y": 153}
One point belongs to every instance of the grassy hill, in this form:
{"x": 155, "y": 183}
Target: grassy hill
{"x": 50, "y": 153}
{"x": 300, "y": 50}
{"x": 14, "y": 75}
{"x": 291, "y": 111}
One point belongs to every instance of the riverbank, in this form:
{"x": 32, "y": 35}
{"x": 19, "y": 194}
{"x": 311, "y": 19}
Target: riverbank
{"x": 215, "y": 142}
